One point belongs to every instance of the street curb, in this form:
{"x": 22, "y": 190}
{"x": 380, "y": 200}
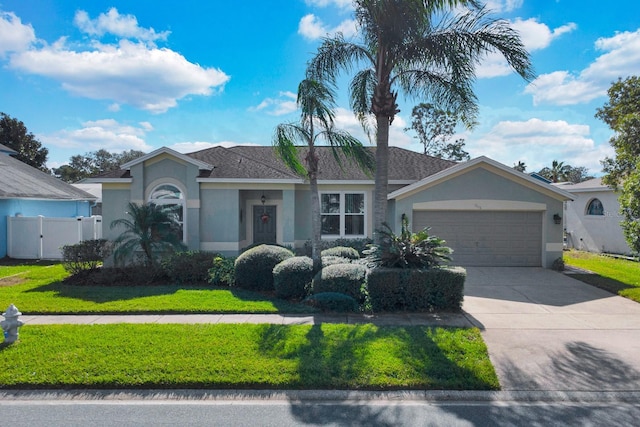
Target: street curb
{"x": 319, "y": 396}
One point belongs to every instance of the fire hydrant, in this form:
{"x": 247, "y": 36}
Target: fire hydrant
{"x": 11, "y": 323}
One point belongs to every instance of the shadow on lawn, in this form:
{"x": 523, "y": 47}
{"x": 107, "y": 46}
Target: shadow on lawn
{"x": 332, "y": 361}
{"x": 104, "y": 294}
{"x": 612, "y": 285}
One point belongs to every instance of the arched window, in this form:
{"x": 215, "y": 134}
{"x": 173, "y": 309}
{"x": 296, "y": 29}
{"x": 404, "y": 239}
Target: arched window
{"x": 595, "y": 207}
{"x": 171, "y": 197}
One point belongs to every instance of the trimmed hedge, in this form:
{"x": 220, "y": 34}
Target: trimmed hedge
{"x": 346, "y": 279}
{"x": 394, "y": 289}
{"x": 189, "y": 267}
{"x": 331, "y": 260}
{"x": 254, "y": 268}
{"x": 342, "y": 252}
{"x": 223, "y": 272}
{"x": 292, "y": 277}
{"x": 332, "y": 301}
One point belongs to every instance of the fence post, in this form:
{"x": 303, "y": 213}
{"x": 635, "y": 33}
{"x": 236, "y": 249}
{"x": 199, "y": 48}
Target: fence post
{"x": 40, "y": 231}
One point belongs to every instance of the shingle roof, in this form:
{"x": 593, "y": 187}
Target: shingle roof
{"x": 6, "y": 150}
{"x": 261, "y": 162}
{"x": 591, "y": 184}
{"x": 19, "y": 180}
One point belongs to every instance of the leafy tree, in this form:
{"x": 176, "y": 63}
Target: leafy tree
{"x": 150, "y": 228}
{"x": 94, "y": 163}
{"x": 578, "y": 174}
{"x": 316, "y": 103}
{"x": 520, "y": 166}
{"x": 558, "y": 172}
{"x": 622, "y": 114}
{"x": 417, "y": 47}
{"x": 434, "y": 127}
{"x": 14, "y": 134}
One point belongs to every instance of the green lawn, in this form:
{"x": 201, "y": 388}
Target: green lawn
{"x": 327, "y": 356}
{"x": 615, "y": 275}
{"x": 38, "y": 289}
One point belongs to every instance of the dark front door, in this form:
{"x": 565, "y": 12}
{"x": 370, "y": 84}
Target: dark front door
{"x": 264, "y": 224}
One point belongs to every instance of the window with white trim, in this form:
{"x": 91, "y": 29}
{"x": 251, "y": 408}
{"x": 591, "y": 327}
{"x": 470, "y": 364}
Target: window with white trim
{"x": 595, "y": 207}
{"x": 343, "y": 214}
{"x": 172, "y": 198}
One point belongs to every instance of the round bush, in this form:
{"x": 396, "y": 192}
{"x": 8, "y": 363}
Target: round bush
{"x": 254, "y": 268}
{"x": 332, "y": 301}
{"x": 341, "y": 251}
{"x": 292, "y": 277}
{"x": 331, "y": 260}
{"x": 346, "y": 279}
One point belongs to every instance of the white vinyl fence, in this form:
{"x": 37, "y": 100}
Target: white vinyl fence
{"x": 42, "y": 237}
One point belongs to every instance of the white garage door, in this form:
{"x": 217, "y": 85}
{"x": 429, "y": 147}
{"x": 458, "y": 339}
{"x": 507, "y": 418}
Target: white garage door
{"x": 487, "y": 238}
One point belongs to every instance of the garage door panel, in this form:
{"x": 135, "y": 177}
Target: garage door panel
{"x": 487, "y": 238}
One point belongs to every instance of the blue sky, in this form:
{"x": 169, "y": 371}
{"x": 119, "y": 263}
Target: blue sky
{"x": 123, "y": 75}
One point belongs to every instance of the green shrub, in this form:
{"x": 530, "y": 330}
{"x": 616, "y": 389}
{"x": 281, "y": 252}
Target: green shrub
{"x": 292, "y": 277}
{"x": 223, "y": 272}
{"x": 358, "y": 244}
{"x": 188, "y": 267}
{"x": 85, "y": 256}
{"x": 331, "y": 260}
{"x": 254, "y": 268}
{"x": 408, "y": 250}
{"x": 139, "y": 275}
{"x": 392, "y": 289}
{"x": 332, "y": 301}
{"x": 346, "y": 279}
{"x": 341, "y": 251}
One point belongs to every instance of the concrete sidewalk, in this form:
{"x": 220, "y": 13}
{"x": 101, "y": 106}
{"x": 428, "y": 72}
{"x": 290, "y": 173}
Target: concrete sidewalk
{"x": 414, "y": 319}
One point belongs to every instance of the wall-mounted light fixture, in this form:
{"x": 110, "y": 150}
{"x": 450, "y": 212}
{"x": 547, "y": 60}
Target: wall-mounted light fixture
{"x": 263, "y": 199}
{"x": 557, "y": 218}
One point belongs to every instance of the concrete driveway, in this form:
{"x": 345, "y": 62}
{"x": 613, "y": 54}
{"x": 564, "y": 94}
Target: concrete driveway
{"x": 548, "y": 331}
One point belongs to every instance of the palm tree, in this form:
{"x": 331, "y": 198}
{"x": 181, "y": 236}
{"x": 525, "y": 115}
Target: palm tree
{"x": 316, "y": 103}
{"x": 152, "y": 229}
{"x": 418, "y": 47}
{"x": 558, "y": 172}
{"x": 520, "y": 166}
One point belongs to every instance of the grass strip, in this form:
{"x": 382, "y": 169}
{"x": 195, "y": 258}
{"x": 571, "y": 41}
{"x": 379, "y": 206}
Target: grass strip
{"x": 327, "y": 356}
{"x": 618, "y": 276}
{"x": 39, "y": 290}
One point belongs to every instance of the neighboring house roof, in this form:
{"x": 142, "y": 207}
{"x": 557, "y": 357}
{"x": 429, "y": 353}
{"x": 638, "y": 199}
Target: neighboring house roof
{"x": 245, "y": 162}
{"x": 6, "y": 150}
{"x": 94, "y": 189}
{"x": 594, "y": 184}
{"x": 20, "y": 181}
{"x": 487, "y": 163}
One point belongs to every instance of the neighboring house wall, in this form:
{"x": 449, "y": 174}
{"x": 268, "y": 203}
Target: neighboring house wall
{"x": 595, "y": 233}
{"x": 47, "y": 208}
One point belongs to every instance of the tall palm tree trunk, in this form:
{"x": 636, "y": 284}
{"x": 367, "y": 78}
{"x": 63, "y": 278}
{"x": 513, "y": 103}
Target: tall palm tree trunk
{"x": 381, "y": 176}
{"x": 316, "y": 218}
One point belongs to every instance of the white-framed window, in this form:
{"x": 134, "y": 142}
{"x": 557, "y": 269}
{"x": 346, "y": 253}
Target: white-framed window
{"x": 343, "y": 214}
{"x": 595, "y": 207}
{"x": 171, "y": 197}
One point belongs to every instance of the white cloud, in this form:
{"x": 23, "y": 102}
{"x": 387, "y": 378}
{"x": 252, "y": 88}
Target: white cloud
{"x": 14, "y": 35}
{"x": 620, "y": 58}
{"x": 343, "y": 4}
{"x": 112, "y": 22}
{"x": 538, "y": 142}
{"x": 151, "y": 79}
{"x": 105, "y": 134}
{"x": 503, "y": 5}
{"x": 534, "y": 36}
{"x": 284, "y": 104}
{"x": 312, "y": 28}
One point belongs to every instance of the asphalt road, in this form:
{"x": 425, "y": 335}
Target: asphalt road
{"x": 287, "y": 413}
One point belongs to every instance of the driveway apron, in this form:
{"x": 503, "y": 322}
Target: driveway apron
{"x": 548, "y": 331}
